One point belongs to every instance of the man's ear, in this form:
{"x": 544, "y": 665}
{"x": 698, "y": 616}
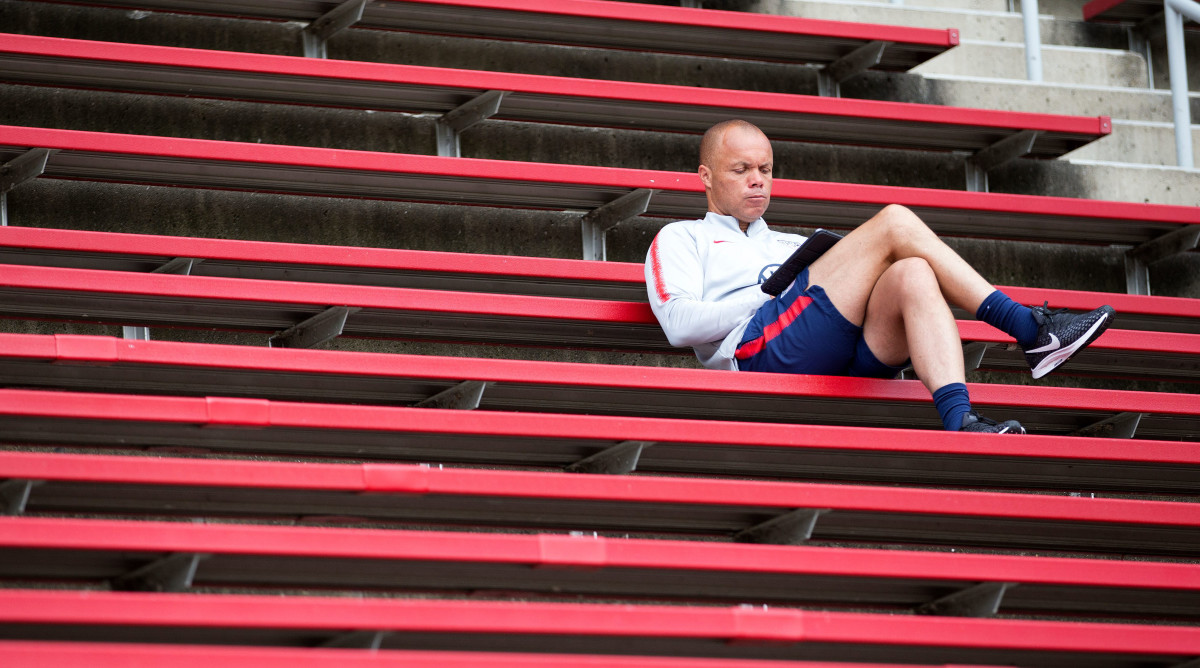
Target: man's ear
{"x": 705, "y": 176}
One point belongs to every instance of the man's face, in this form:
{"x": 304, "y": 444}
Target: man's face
{"x": 738, "y": 183}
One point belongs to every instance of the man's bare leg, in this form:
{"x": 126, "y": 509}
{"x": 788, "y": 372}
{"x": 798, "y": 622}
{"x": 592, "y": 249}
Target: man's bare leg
{"x": 849, "y": 271}
{"x": 907, "y": 318}
{"x": 893, "y": 277}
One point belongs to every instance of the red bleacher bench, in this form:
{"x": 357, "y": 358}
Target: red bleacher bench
{"x": 1121, "y": 10}
{"x": 260, "y": 426}
{"x": 161, "y": 367}
{"x": 265, "y": 78}
{"x": 34, "y": 654}
{"x": 97, "y": 156}
{"x": 299, "y": 314}
{"x": 128, "y": 554}
{"x": 1117, "y": 353}
{"x": 723, "y": 509}
{"x": 597, "y": 23}
{"x": 463, "y": 272}
{"x": 108, "y": 157}
{"x": 588, "y": 628}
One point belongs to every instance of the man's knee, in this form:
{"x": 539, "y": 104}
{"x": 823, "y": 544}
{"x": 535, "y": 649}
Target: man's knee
{"x": 913, "y": 277}
{"x": 900, "y": 223}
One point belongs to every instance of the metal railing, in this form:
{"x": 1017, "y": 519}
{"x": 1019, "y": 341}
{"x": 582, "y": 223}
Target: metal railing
{"x": 1173, "y": 13}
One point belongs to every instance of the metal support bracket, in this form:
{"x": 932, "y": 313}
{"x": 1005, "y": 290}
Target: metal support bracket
{"x": 598, "y": 222}
{"x": 322, "y": 327}
{"x": 1139, "y": 259}
{"x": 453, "y": 122}
{"x": 973, "y": 354}
{"x": 463, "y": 397}
{"x": 25, "y": 167}
{"x": 181, "y": 266}
{"x": 14, "y": 494}
{"x": 620, "y": 459}
{"x": 1003, "y": 151}
{"x": 791, "y": 528}
{"x": 172, "y": 573}
{"x": 358, "y": 640}
{"x": 830, "y": 77}
{"x": 317, "y": 33}
{"x": 1121, "y": 425}
{"x": 981, "y": 600}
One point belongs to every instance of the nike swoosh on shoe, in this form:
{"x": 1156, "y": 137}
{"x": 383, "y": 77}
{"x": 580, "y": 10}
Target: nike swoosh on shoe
{"x": 1053, "y": 345}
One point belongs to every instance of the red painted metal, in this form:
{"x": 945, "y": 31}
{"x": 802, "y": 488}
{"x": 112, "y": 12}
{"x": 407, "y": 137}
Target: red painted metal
{"x": 33, "y": 654}
{"x": 338, "y": 417}
{"x": 589, "y": 620}
{"x": 411, "y": 479}
{"x": 504, "y": 170}
{"x": 321, "y": 294}
{"x": 746, "y": 21}
{"x": 586, "y": 552}
{"x": 31, "y": 277}
{"x": 487, "y": 265}
{"x": 312, "y": 254}
{"x": 474, "y": 82}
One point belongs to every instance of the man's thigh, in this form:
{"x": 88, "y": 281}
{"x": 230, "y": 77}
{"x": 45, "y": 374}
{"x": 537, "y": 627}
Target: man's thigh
{"x": 848, "y": 271}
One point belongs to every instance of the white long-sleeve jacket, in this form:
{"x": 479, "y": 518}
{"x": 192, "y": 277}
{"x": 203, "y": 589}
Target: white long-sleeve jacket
{"x": 702, "y": 277}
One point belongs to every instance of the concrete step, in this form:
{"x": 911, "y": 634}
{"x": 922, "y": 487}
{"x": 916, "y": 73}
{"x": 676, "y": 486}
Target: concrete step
{"x": 1141, "y": 142}
{"x": 1062, "y": 64}
{"x": 1102, "y": 180}
{"x": 1060, "y": 24}
{"x": 1124, "y": 103}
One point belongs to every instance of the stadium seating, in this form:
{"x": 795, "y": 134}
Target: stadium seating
{"x": 97, "y": 363}
{"x": 462, "y": 272}
{"x": 716, "y": 631}
{"x": 253, "y": 500}
{"x": 255, "y": 77}
{"x": 20, "y": 654}
{"x": 92, "y": 552}
{"x": 303, "y": 314}
{"x": 260, "y": 426}
{"x": 341, "y": 173}
{"x": 611, "y": 25}
{"x": 750, "y": 511}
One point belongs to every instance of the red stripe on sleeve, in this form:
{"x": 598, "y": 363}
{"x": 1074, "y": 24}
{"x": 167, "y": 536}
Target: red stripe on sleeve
{"x": 656, "y": 269}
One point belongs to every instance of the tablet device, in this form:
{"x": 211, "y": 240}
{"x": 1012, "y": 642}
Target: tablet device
{"x": 812, "y": 248}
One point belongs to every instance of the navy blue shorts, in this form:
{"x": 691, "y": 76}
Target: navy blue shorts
{"x": 800, "y": 331}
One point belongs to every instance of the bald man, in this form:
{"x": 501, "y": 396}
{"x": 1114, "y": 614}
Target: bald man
{"x": 878, "y": 299}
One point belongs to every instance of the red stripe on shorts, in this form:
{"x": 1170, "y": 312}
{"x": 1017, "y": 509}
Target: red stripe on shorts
{"x": 755, "y": 346}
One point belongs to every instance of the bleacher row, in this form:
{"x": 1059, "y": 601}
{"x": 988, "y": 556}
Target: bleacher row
{"x": 255, "y": 501}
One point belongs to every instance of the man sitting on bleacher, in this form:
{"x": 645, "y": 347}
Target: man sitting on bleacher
{"x": 877, "y": 299}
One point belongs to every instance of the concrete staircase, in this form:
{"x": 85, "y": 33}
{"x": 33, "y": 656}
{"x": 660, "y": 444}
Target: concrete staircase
{"x": 1087, "y": 69}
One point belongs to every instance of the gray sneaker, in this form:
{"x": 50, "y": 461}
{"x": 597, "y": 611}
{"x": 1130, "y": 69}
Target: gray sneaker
{"x": 1062, "y": 334}
{"x": 975, "y": 422}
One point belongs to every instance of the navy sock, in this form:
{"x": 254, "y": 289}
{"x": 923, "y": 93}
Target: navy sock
{"x": 1001, "y": 312}
{"x": 952, "y": 403}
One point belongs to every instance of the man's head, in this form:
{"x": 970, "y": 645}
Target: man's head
{"x": 735, "y": 166}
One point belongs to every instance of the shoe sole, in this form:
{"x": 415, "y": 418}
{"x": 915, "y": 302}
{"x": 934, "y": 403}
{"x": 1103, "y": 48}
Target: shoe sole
{"x": 1058, "y": 357}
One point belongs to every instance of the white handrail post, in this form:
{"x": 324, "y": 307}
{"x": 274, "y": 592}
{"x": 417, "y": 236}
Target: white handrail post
{"x": 1173, "y": 11}
{"x": 1033, "y": 40}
